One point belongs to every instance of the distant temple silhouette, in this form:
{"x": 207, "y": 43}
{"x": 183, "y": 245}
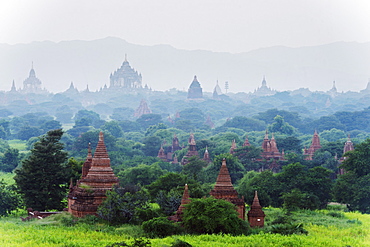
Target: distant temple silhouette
{"x": 125, "y": 77}
{"x": 195, "y": 91}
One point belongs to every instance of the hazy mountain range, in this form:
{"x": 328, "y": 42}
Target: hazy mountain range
{"x": 164, "y": 67}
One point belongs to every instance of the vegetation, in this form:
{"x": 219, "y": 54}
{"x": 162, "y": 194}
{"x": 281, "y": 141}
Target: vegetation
{"x": 42, "y": 180}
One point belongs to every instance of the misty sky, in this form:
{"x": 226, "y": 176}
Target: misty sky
{"x": 228, "y": 26}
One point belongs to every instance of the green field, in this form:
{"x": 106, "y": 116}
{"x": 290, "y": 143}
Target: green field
{"x": 353, "y": 229}
{"x": 18, "y": 144}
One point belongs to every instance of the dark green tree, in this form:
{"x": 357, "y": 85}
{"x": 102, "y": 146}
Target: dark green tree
{"x": 122, "y": 205}
{"x": 10, "y": 160}
{"x": 43, "y": 178}
{"x": 210, "y": 215}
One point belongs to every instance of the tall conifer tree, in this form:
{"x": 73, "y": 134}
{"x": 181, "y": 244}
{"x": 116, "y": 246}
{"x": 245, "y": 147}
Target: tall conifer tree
{"x": 43, "y": 177}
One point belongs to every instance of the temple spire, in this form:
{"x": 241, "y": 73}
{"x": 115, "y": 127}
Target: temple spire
{"x": 256, "y": 216}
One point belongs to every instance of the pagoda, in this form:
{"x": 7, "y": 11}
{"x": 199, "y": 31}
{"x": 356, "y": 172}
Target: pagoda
{"x": 224, "y": 190}
{"x": 195, "y": 91}
{"x": 97, "y": 178}
{"x": 192, "y": 150}
{"x": 270, "y": 150}
{"x": 184, "y": 201}
{"x": 125, "y": 77}
{"x": 233, "y": 147}
{"x": 206, "y": 156}
{"x": 256, "y": 217}
{"x": 246, "y": 142}
{"x": 32, "y": 84}
{"x": 315, "y": 145}
{"x": 142, "y": 109}
{"x": 348, "y": 146}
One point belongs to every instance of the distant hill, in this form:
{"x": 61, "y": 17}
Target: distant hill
{"x": 164, "y": 67}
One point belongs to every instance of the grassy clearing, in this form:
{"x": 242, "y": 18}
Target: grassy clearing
{"x": 7, "y": 177}
{"x": 19, "y": 144}
{"x": 353, "y": 229}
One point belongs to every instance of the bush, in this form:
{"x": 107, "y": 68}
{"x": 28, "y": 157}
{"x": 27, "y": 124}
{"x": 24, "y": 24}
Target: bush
{"x": 336, "y": 214}
{"x": 180, "y": 243}
{"x": 210, "y": 215}
{"x": 138, "y": 242}
{"x": 287, "y": 229}
{"x": 161, "y": 227}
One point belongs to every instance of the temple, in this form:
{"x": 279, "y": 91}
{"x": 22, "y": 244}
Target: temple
{"x": 270, "y": 150}
{"x": 142, "y": 109}
{"x": 125, "y": 77}
{"x": 167, "y": 153}
{"x": 315, "y": 145}
{"x": 256, "y": 217}
{"x": 195, "y": 91}
{"x": 264, "y": 90}
{"x": 192, "y": 150}
{"x": 206, "y": 156}
{"x": 32, "y": 84}
{"x": 97, "y": 178}
{"x": 348, "y": 146}
{"x": 224, "y": 190}
{"x": 233, "y": 147}
{"x": 185, "y": 200}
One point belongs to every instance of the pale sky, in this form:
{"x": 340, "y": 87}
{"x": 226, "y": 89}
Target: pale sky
{"x": 226, "y": 26}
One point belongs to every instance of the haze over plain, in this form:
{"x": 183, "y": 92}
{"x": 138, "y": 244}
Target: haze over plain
{"x": 214, "y": 26}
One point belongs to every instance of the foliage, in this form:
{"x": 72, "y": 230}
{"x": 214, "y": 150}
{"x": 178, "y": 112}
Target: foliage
{"x": 180, "y": 243}
{"x": 10, "y": 160}
{"x": 175, "y": 181}
{"x": 161, "y": 227}
{"x": 353, "y": 187}
{"x": 210, "y": 215}
{"x": 122, "y": 204}
{"x": 9, "y": 199}
{"x": 169, "y": 202}
{"x": 141, "y": 174}
{"x": 138, "y": 242}
{"x": 280, "y": 126}
{"x": 248, "y": 156}
{"x": 43, "y": 178}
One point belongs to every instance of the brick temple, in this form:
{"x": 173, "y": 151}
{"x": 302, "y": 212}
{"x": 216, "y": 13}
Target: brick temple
{"x": 97, "y": 178}
{"x": 224, "y": 190}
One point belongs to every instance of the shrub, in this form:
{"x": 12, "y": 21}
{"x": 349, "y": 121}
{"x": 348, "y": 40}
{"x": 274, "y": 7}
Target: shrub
{"x": 336, "y": 214}
{"x": 160, "y": 227}
{"x": 138, "y": 242}
{"x": 287, "y": 229}
{"x": 180, "y": 243}
{"x": 210, "y": 215}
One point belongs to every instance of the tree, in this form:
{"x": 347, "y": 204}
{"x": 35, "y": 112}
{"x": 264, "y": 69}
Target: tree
{"x": 141, "y": 174}
{"x": 43, "y": 178}
{"x": 280, "y": 126}
{"x": 248, "y": 156}
{"x": 353, "y": 187}
{"x": 9, "y": 199}
{"x": 210, "y": 215}
{"x": 194, "y": 167}
{"x": 122, "y": 204}
{"x": 10, "y": 160}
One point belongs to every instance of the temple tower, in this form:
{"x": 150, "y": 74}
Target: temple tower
{"x": 256, "y": 217}
{"x": 195, "y": 91}
{"x": 142, "y": 109}
{"x": 192, "y": 150}
{"x": 161, "y": 154}
{"x": 32, "y": 84}
{"x": 90, "y": 190}
{"x": 206, "y": 156}
{"x": 315, "y": 145}
{"x": 224, "y": 190}
{"x": 125, "y": 77}
{"x": 184, "y": 201}
{"x": 233, "y": 147}
{"x": 246, "y": 142}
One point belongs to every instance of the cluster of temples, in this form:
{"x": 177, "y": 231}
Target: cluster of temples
{"x": 224, "y": 190}
{"x": 97, "y": 178}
